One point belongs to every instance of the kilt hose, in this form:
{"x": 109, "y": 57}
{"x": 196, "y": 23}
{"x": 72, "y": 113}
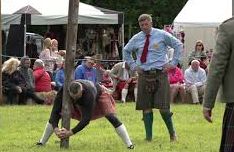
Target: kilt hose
{"x": 153, "y": 90}
{"x": 227, "y": 141}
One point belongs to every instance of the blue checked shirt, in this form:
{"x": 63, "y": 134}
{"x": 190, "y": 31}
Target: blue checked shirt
{"x": 157, "y": 52}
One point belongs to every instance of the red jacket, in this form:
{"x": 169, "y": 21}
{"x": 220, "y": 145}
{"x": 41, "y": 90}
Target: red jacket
{"x": 175, "y": 76}
{"x": 42, "y": 80}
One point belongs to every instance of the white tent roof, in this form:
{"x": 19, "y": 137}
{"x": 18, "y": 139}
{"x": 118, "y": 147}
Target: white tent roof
{"x": 204, "y": 13}
{"x": 56, "y": 12}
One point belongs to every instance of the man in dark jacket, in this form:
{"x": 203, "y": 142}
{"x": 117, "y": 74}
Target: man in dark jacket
{"x": 89, "y": 102}
{"x": 27, "y": 73}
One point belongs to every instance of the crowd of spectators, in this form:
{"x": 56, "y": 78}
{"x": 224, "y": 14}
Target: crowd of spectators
{"x": 40, "y": 83}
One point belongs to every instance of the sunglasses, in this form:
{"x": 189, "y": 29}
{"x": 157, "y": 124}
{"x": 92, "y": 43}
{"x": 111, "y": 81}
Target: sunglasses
{"x": 199, "y": 44}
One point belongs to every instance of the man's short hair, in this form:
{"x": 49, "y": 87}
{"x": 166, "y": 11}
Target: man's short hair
{"x": 90, "y": 59}
{"x": 144, "y": 17}
{"x": 23, "y": 59}
{"x": 75, "y": 87}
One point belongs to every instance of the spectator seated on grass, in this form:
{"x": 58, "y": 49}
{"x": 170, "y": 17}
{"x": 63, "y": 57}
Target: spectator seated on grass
{"x": 27, "y": 73}
{"x": 86, "y": 70}
{"x": 200, "y": 55}
{"x": 13, "y": 81}
{"x": 195, "y": 79}
{"x": 42, "y": 82}
{"x": 124, "y": 79}
{"x": 59, "y": 75}
{"x": 177, "y": 86}
{"x": 107, "y": 80}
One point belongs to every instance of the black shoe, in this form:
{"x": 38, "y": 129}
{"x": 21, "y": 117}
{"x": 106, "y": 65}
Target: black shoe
{"x": 173, "y": 137}
{"x": 39, "y": 144}
{"x": 131, "y": 147}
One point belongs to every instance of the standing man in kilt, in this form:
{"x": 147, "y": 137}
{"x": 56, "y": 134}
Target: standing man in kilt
{"x": 151, "y": 46}
{"x": 221, "y": 73}
{"x": 89, "y": 102}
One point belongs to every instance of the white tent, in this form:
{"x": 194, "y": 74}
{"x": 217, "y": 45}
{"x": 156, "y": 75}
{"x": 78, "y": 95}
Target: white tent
{"x": 56, "y": 12}
{"x": 199, "y": 20}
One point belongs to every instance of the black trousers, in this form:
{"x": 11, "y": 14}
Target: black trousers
{"x": 12, "y": 96}
{"x": 29, "y": 94}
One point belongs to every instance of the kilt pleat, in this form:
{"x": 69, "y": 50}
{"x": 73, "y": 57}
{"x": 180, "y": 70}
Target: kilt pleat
{"x": 104, "y": 106}
{"x": 227, "y": 140}
{"x": 159, "y": 99}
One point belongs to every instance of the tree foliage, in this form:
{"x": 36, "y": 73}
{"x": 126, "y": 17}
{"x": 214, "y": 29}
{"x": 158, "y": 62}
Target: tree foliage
{"x": 163, "y": 10}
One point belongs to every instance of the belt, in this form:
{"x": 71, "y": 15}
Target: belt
{"x": 153, "y": 71}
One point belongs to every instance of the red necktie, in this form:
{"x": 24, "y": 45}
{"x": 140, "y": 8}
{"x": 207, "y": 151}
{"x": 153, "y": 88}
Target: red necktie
{"x": 145, "y": 50}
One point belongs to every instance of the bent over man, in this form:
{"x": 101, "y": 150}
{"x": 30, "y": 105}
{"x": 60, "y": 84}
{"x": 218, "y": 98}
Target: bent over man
{"x": 89, "y": 102}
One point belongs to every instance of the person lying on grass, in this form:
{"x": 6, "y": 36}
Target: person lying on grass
{"x": 89, "y": 102}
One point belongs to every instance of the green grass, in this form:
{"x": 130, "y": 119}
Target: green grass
{"x": 22, "y": 126}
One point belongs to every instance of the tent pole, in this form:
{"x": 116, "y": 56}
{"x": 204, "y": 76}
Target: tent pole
{"x": 25, "y": 26}
{"x": 123, "y": 34}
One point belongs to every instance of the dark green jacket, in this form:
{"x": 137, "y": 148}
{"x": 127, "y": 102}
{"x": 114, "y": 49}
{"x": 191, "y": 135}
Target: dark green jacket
{"x": 221, "y": 71}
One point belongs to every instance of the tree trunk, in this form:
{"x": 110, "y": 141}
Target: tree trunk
{"x": 72, "y": 28}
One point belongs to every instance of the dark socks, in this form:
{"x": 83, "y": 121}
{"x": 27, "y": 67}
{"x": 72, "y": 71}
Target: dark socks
{"x": 166, "y": 115}
{"x": 148, "y": 122}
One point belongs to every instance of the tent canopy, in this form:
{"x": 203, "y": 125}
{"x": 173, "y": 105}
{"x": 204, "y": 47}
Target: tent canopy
{"x": 209, "y": 13}
{"x": 56, "y": 12}
{"x": 199, "y": 19}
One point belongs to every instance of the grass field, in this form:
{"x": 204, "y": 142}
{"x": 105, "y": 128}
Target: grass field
{"x": 22, "y": 126}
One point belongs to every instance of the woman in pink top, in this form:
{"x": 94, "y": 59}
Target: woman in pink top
{"x": 176, "y": 79}
{"x": 42, "y": 78}
{"x": 48, "y": 56}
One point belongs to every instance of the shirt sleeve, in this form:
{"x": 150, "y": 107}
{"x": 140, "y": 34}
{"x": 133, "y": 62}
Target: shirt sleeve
{"x": 174, "y": 43}
{"x": 58, "y": 77}
{"x": 127, "y": 53}
{"x": 79, "y": 73}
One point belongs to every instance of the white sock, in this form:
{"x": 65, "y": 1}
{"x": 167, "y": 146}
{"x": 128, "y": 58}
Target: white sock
{"x": 47, "y": 133}
{"x": 135, "y": 94}
{"x": 122, "y": 132}
{"x": 124, "y": 94}
{"x": 194, "y": 94}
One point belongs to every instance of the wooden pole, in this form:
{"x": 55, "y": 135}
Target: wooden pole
{"x": 72, "y": 28}
{"x": 1, "y": 102}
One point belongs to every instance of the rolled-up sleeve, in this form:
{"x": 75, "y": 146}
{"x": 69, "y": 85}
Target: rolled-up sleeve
{"x": 127, "y": 53}
{"x": 174, "y": 43}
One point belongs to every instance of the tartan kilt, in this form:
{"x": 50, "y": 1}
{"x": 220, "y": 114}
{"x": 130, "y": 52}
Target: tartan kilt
{"x": 120, "y": 86}
{"x": 153, "y": 90}
{"x": 227, "y": 140}
{"x": 104, "y": 106}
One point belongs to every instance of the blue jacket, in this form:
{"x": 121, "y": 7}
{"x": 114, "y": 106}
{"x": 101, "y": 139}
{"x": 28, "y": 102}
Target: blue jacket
{"x": 85, "y": 73}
